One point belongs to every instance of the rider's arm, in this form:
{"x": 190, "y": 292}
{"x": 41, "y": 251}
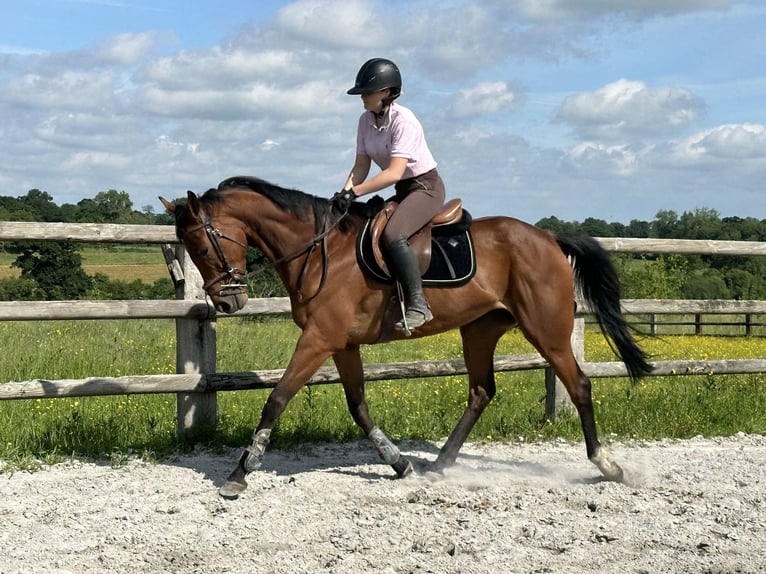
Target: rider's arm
{"x": 387, "y": 177}
{"x": 359, "y": 172}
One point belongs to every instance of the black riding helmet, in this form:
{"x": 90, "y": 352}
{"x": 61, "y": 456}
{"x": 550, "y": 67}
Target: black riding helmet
{"x": 375, "y": 75}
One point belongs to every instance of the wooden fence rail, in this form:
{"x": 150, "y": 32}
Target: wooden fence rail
{"x": 196, "y": 381}
{"x": 266, "y": 379}
{"x": 203, "y": 310}
{"x": 117, "y": 233}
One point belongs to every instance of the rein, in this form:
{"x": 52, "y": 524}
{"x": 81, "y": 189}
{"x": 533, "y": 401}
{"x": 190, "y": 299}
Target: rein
{"x": 308, "y": 250}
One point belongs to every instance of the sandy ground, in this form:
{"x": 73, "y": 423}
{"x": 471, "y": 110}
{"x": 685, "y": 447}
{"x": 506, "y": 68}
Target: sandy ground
{"x": 690, "y": 506}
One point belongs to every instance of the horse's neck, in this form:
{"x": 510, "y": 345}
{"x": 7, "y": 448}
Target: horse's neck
{"x": 282, "y": 237}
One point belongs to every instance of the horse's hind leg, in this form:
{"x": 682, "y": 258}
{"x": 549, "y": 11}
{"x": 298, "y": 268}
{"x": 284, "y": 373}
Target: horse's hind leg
{"x": 548, "y": 326}
{"x": 580, "y": 393}
{"x": 479, "y": 341}
{"x": 349, "y": 364}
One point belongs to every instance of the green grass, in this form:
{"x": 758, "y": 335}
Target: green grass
{"x": 115, "y": 427}
{"x": 118, "y": 262}
{"x": 107, "y": 254}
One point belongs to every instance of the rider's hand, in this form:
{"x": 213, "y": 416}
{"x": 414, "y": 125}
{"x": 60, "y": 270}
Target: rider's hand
{"x": 343, "y": 199}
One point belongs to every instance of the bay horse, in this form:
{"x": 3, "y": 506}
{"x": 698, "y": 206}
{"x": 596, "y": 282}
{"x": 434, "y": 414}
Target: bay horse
{"x": 523, "y": 278}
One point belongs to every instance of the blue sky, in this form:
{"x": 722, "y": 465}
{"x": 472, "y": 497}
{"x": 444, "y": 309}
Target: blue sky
{"x": 614, "y": 109}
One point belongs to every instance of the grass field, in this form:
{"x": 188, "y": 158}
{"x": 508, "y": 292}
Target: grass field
{"x": 118, "y": 263}
{"x": 112, "y": 427}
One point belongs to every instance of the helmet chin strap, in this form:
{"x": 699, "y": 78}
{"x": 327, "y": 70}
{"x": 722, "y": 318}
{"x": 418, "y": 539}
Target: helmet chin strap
{"x": 386, "y": 105}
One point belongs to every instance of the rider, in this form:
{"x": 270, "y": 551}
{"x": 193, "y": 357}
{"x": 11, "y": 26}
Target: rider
{"x": 390, "y": 135}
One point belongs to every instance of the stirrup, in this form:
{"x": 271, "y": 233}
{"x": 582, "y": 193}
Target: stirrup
{"x": 413, "y": 318}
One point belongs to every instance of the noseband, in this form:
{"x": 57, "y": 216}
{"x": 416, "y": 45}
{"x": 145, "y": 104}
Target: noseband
{"x": 236, "y": 277}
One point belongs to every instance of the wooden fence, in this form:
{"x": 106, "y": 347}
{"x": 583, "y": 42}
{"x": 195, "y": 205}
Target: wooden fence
{"x": 196, "y": 382}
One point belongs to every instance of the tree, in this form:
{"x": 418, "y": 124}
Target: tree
{"x": 55, "y": 267}
{"x": 665, "y": 224}
{"x": 266, "y": 282}
{"x": 706, "y": 285}
{"x": 555, "y": 224}
{"x": 13, "y": 209}
{"x": 596, "y": 227}
{"x": 114, "y": 206}
{"x": 637, "y": 228}
{"x": 42, "y": 205}
{"x": 17, "y": 289}
{"x": 618, "y": 229}
{"x": 743, "y": 284}
{"x": 702, "y": 223}
{"x": 660, "y": 278}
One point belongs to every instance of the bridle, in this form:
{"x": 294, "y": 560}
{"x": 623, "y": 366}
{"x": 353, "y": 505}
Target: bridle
{"x": 237, "y": 278}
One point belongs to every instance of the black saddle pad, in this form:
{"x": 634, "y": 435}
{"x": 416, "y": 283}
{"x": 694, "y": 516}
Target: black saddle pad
{"x": 453, "y": 260}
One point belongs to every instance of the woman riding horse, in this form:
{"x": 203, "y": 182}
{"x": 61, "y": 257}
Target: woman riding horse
{"x": 390, "y": 135}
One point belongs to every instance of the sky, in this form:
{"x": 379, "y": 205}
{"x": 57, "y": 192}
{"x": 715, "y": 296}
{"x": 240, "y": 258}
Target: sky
{"x": 611, "y": 109}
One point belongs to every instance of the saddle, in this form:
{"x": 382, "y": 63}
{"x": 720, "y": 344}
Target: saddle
{"x": 443, "y": 247}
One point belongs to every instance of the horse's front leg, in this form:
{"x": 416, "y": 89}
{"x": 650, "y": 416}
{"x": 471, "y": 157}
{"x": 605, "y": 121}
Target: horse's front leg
{"x": 308, "y": 357}
{"x": 349, "y": 364}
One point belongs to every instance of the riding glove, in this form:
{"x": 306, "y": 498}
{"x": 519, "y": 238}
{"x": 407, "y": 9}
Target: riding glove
{"x": 343, "y": 199}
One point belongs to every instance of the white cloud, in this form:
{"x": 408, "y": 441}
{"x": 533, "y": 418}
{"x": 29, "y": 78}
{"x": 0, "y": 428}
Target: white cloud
{"x": 630, "y": 109}
{"x": 70, "y": 90}
{"x": 257, "y": 101}
{"x": 344, "y": 23}
{"x": 268, "y": 144}
{"x": 738, "y": 142}
{"x": 595, "y": 159}
{"x": 227, "y": 68}
{"x": 118, "y": 115}
{"x": 560, "y": 9}
{"x": 124, "y": 49}
{"x": 486, "y": 98}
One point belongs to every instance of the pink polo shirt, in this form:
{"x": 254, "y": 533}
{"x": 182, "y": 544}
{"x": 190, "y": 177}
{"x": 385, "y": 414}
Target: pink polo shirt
{"x": 400, "y": 136}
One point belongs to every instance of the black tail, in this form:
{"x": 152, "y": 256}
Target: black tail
{"x": 599, "y": 284}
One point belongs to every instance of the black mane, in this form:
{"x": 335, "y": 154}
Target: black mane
{"x": 299, "y": 203}
{"x": 296, "y": 202}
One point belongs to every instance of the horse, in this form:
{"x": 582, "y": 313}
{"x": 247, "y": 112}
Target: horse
{"x": 525, "y": 277}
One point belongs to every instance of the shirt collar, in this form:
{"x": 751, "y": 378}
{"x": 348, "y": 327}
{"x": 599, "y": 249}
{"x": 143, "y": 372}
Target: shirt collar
{"x": 387, "y": 121}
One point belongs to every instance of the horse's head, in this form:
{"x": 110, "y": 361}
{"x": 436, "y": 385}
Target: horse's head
{"x": 217, "y": 247}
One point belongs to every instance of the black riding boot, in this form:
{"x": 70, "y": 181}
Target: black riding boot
{"x": 404, "y": 265}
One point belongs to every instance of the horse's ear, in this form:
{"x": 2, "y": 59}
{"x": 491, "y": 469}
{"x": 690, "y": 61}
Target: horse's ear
{"x": 171, "y": 207}
{"x": 192, "y": 204}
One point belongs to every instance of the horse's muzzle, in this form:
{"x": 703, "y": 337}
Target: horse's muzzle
{"x": 229, "y": 303}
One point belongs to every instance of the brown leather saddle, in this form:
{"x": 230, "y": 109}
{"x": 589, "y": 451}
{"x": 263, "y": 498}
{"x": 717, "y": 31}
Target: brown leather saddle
{"x": 444, "y": 247}
{"x": 451, "y": 212}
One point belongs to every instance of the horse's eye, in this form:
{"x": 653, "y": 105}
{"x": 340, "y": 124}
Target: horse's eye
{"x": 203, "y": 252}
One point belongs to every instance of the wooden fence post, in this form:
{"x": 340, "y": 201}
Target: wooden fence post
{"x": 195, "y": 353}
{"x": 556, "y": 395}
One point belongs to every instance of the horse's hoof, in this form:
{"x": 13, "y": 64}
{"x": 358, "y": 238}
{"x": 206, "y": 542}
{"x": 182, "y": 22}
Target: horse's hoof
{"x": 231, "y": 489}
{"x": 608, "y": 467}
{"x": 403, "y": 467}
{"x": 434, "y": 476}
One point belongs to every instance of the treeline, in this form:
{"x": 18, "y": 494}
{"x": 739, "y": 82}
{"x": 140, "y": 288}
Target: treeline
{"x": 683, "y": 276}
{"x": 53, "y": 270}
{"x": 110, "y": 206}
